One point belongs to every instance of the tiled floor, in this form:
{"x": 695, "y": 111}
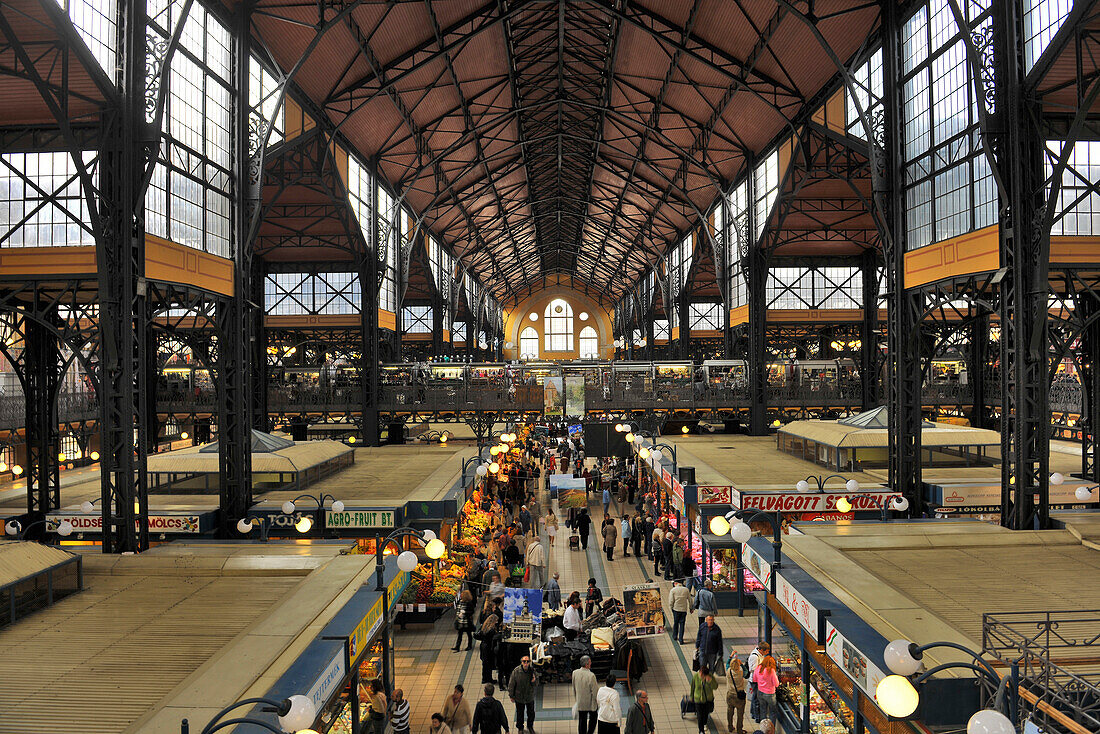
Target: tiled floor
{"x": 427, "y": 670}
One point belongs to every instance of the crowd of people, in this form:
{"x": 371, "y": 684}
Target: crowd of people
{"x": 511, "y": 551}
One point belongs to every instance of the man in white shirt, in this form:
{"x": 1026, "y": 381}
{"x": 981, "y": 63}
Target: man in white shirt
{"x": 759, "y": 653}
{"x": 572, "y": 620}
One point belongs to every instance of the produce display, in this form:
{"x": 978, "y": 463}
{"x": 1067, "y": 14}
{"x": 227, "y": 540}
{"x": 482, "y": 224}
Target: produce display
{"x": 338, "y": 719}
{"x": 429, "y": 585}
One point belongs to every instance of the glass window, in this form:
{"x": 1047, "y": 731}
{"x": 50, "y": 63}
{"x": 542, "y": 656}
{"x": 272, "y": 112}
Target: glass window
{"x": 97, "y": 23}
{"x": 263, "y": 97}
{"x": 558, "y": 323}
{"x": 948, "y": 186}
{"x": 529, "y": 343}
{"x": 705, "y": 316}
{"x": 42, "y": 202}
{"x": 590, "y": 343}
{"x": 188, "y": 198}
{"x": 660, "y": 329}
{"x": 867, "y": 79}
{"x": 417, "y": 319}
{"x": 458, "y": 332}
{"x": 1078, "y": 208}
{"x": 1042, "y": 19}
{"x": 766, "y": 190}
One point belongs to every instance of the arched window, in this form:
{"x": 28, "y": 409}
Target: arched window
{"x": 590, "y": 343}
{"x": 529, "y": 343}
{"x": 559, "y": 326}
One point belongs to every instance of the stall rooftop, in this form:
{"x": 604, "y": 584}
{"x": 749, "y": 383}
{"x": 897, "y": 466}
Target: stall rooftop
{"x": 178, "y": 631}
{"x": 932, "y": 581}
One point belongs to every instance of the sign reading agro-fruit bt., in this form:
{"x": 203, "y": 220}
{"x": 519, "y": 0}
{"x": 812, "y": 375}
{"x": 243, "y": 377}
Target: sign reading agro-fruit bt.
{"x": 359, "y": 519}
{"x": 800, "y": 502}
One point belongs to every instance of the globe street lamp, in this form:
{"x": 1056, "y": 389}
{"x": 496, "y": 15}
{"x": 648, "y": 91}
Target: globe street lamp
{"x": 294, "y": 715}
{"x": 305, "y": 523}
{"x": 15, "y": 528}
{"x": 406, "y": 561}
{"x": 741, "y": 532}
{"x": 899, "y": 697}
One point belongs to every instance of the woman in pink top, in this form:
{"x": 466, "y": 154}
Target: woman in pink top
{"x": 767, "y": 680}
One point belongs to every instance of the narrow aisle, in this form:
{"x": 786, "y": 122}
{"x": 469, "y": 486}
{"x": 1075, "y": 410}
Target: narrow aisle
{"x": 427, "y": 670}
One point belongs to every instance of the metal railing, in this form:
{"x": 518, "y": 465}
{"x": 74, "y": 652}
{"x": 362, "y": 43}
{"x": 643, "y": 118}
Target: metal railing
{"x": 1055, "y": 655}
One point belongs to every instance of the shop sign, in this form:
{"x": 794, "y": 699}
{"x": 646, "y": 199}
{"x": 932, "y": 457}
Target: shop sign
{"x": 330, "y": 680}
{"x": 806, "y": 613}
{"x": 756, "y": 565}
{"x": 676, "y": 494}
{"x": 714, "y": 495}
{"x": 799, "y": 502}
{"x": 93, "y": 523}
{"x": 359, "y": 519}
{"x": 666, "y": 477}
{"x": 370, "y": 623}
{"x": 987, "y": 497}
{"x": 852, "y": 661}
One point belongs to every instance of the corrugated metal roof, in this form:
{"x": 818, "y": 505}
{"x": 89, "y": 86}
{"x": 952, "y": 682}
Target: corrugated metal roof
{"x": 19, "y": 559}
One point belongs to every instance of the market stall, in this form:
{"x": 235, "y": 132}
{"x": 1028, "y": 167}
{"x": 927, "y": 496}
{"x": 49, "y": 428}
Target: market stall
{"x": 350, "y": 649}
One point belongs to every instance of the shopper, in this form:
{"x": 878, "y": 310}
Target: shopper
{"x": 703, "y": 685}
{"x": 677, "y": 558}
{"x": 585, "y": 688}
{"x": 608, "y": 711}
{"x": 762, "y": 649}
{"x": 521, "y": 691}
{"x": 438, "y": 725}
{"x": 709, "y": 648}
{"x": 489, "y": 634}
{"x": 536, "y": 564}
{"x": 606, "y": 500}
{"x": 656, "y": 539}
{"x": 489, "y": 716}
{"x": 584, "y": 527}
{"x": 551, "y": 526}
{"x": 679, "y": 601}
{"x": 525, "y": 519}
{"x": 639, "y": 720}
{"x": 666, "y": 550}
{"x": 705, "y": 604}
{"x": 637, "y": 533}
{"x": 552, "y": 592}
{"x": 610, "y": 537}
{"x": 767, "y": 680}
{"x": 457, "y": 712}
{"x": 571, "y": 620}
{"x": 464, "y": 619}
{"x": 376, "y": 706}
{"x": 626, "y": 529}
{"x": 399, "y": 713}
{"x": 593, "y": 599}
{"x": 736, "y": 694}
{"x": 687, "y": 570}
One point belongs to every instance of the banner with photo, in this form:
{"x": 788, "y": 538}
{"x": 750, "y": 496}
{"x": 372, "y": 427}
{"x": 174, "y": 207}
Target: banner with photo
{"x": 523, "y": 604}
{"x": 644, "y": 614}
{"x": 553, "y": 397}
{"x": 570, "y": 491}
{"x": 574, "y": 396}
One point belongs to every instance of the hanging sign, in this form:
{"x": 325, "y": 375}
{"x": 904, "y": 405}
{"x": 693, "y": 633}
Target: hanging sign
{"x": 855, "y": 664}
{"x": 756, "y": 565}
{"x": 93, "y": 523}
{"x": 795, "y": 603}
{"x": 328, "y": 682}
{"x": 714, "y": 495}
{"x": 811, "y": 502}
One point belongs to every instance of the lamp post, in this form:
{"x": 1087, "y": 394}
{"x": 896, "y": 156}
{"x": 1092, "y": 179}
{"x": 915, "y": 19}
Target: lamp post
{"x": 900, "y": 504}
{"x": 741, "y": 532}
{"x": 803, "y": 485}
{"x": 295, "y": 714}
{"x": 899, "y": 697}
{"x": 304, "y": 524}
{"x": 64, "y": 528}
{"x": 244, "y": 526}
{"x": 406, "y": 561}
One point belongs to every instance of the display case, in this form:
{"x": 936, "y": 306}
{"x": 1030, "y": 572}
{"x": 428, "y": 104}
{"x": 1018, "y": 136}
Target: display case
{"x": 721, "y": 563}
{"x": 336, "y": 718}
{"x": 827, "y": 713}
